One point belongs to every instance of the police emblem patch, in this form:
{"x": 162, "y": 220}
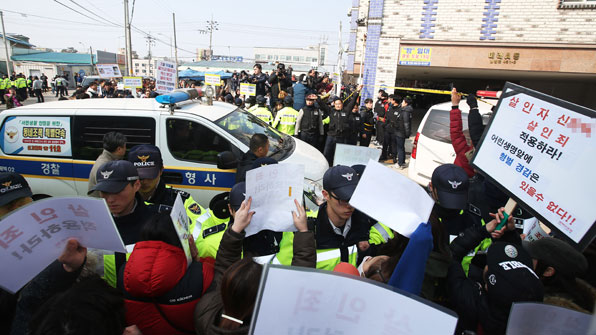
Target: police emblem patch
{"x": 195, "y": 208}
{"x": 510, "y": 251}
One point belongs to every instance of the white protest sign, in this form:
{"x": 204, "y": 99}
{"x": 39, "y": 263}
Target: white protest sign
{"x": 335, "y": 78}
{"x": 35, "y": 235}
{"x": 180, "y": 220}
{"x": 391, "y": 198}
{"x": 165, "y": 76}
{"x": 321, "y": 302}
{"x": 37, "y": 135}
{"x": 132, "y": 82}
{"x": 528, "y": 318}
{"x": 108, "y": 70}
{"x": 212, "y": 79}
{"x": 541, "y": 151}
{"x": 248, "y": 89}
{"x": 273, "y": 189}
{"x": 534, "y": 230}
{"x": 349, "y": 155}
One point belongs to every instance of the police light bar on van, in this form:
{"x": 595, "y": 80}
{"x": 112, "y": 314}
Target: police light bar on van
{"x": 179, "y": 95}
{"x": 488, "y": 94}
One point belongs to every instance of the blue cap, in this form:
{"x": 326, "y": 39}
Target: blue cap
{"x": 452, "y": 184}
{"x": 237, "y": 195}
{"x": 341, "y": 180}
{"x": 113, "y": 176}
{"x": 147, "y": 159}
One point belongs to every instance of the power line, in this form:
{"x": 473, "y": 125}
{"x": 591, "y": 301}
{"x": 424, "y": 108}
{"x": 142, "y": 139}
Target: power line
{"x": 51, "y": 18}
{"x": 76, "y": 11}
{"x": 92, "y": 13}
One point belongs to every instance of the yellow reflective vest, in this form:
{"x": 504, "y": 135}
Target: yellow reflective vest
{"x": 285, "y": 120}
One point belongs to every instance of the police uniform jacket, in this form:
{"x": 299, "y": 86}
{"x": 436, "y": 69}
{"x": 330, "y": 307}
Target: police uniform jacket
{"x": 367, "y": 122}
{"x": 310, "y": 119}
{"x": 395, "y": 121}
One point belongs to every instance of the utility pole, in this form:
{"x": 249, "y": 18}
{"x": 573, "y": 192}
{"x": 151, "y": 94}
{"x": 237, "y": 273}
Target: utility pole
{"x": 128, "y": 40}
{"x": 91, "y": 56}
{"x": 150, "y": 41}
{"x": 211, "y": 26}
{"x": 5, "y": 46}
{"x": 175, "y": 47}
{"x": 339, "y": 64}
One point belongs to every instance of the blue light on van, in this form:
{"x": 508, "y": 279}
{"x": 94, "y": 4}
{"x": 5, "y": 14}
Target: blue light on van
{"x": 179, "y": 95}
{"x": 172, "y": 98}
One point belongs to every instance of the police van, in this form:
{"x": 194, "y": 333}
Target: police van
{"x": 55, "y": 144}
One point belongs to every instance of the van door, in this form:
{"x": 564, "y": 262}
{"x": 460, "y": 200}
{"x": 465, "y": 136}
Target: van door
{"x": 39, "y": 148}
{"x": 88, "y": 133}
{"x": 191, "y": 157}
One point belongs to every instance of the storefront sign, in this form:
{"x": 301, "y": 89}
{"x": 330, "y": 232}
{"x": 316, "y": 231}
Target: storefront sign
{"x": 415, "y": 56}
{"x": 499, "y": 57}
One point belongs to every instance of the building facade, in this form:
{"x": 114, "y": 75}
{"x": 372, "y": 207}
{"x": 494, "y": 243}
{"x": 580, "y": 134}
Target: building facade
{"x": 546, "y": 45}
{"x": 313, "y": 56}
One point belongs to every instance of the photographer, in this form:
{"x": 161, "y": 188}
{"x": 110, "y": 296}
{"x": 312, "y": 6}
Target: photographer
{"x": 258, "y": 78}
{"x": 280, "y": 80}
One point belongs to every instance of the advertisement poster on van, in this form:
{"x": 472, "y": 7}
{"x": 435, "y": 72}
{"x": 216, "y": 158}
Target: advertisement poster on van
{"x": 36, "y": 136}
{"x": 541, "y": 150}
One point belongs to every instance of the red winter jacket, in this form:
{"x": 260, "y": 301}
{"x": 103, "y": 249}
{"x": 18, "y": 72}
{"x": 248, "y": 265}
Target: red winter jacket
{"x": 156, "y": 276}
{"x": 458, "y": 140}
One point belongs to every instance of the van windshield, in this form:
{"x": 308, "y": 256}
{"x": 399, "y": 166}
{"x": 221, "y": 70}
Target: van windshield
{"x": 242, "y": 125}
{"x": 437, "y": 126}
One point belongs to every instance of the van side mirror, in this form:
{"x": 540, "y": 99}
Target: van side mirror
{"x": 226, "y": 160}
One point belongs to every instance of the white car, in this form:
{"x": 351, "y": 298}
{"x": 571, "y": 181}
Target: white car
{"x": 432, "y": 144}
{"x": 54, "y": 145}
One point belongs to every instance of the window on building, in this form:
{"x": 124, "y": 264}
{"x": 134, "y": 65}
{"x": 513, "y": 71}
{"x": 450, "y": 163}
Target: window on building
{"x": 276, "y": 57}
{"x": 577, "y": 4}
{"x": 191, "y": 141}
{"x": 314, "y": 59}
{"x": 308, "y": 59}
{"x": 136, "y": 64}
{"x": 269, "y": 57}
{"x": 296, "y": 58}
{"x": 88, "y": 131}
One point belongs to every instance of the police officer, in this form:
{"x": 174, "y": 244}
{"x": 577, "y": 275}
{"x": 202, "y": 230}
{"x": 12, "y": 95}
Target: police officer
{"x": 395, "y": 126}
{"x": 367, "y": 123}
{"x": 147, "y": 159}
{"x": 262, "y": 111}
{"x": 341, "y": 231}
{"x": 21, "y": 84}
{"x": 118, "y": 183}
{"x": 380, "y": 110}
{"x": 3, "y": 86}
{"x": 211, "y": 225}
{"x": 285, "y": 120}
{"x": 310, "y": 120}
{"x": 340, "y": 124}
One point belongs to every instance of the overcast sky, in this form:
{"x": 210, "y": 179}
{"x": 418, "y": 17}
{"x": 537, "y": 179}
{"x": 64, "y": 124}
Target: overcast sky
{"x": 242, "y": 24}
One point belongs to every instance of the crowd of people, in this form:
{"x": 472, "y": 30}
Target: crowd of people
{"x": 459, "y": 259}
{"x": 478, "y": 272}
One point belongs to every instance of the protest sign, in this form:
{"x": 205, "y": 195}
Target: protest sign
{"x": 165, "y": 77}
{"x": 181, "y": 222}
{"x": 132, "y": 82}
{"x": 528, "y": 318}
{"x": 540, "y": 150}
{"x": 108, "y": 71}
{"x": 212, "y": 79}
{"x": 36, "y": 135}
{"x": 391, "y": 198}
{"x": 534, "y": 230}
{"x": 273, "y": 189}
{"x": 248, "y": 89}
{"x": 349, "y": 155}
{"x": 35, "y": 235}
{"x": 340, "y": 304}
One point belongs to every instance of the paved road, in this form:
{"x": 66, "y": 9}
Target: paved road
{"x": 48, "y": 96}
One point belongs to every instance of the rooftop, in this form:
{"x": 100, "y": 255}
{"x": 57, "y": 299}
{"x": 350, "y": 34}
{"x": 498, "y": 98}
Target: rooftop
{"x": 17, "y": 41}
{"x": 56, "y": 57}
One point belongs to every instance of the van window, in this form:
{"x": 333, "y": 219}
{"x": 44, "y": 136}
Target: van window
{"x": 191, "y": 141}
{"x": 437, "y": 126}
{"x": 88, "y": 132}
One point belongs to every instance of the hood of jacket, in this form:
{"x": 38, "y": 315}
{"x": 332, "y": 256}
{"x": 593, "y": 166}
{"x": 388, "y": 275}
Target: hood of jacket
{"x": 154, "y": 268}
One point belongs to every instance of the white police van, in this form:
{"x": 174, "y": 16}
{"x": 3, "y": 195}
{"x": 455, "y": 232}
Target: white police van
{"x": 54, "y": 145}
{"x": 432, "y": 144}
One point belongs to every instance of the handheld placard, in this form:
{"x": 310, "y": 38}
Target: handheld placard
{"x": 509, "y": 207}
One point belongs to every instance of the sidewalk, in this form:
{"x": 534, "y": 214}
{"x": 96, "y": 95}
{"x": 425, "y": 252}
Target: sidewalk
{"x": 48, "y": 96}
